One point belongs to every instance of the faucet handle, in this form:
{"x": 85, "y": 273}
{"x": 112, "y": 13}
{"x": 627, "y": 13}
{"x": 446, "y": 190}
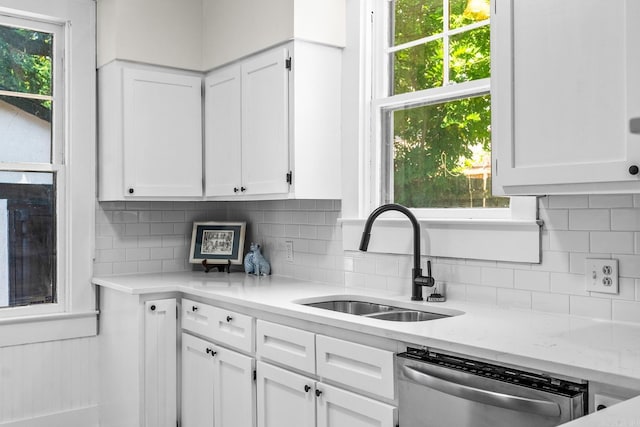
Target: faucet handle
{"x": 427, "y": 280}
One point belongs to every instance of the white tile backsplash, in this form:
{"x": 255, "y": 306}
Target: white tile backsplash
{"x": 155, "y": 236}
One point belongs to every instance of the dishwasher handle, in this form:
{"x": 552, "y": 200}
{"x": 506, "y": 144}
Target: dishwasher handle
{"x": 507, "y": 401}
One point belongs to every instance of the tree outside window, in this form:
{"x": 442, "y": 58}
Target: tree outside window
{"x": 437, "y": 143}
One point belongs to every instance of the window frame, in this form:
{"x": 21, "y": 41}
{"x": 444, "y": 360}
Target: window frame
{"x": 382, "y": 104}
{"x": 74, "y": 165}
{"x": 514, "y": 232}
{"x": 56, "y": 167}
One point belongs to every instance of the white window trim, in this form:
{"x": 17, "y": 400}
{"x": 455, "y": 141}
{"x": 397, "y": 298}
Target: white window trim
{"x": 511, "y": 235}
{"x": 74, "y": 314}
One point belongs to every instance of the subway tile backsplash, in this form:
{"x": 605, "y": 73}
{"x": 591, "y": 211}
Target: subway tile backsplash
{"x": 155, "y": 236}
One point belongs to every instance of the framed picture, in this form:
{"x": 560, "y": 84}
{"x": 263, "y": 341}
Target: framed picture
{"x": 217, "y": 242}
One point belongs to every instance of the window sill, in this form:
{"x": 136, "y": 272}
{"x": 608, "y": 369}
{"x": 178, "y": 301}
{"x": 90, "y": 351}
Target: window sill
{"x": 482, "y": 239}
{"x": 47, "y": 327}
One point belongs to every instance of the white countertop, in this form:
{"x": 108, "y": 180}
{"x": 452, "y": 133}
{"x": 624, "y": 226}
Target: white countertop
{"x": 597, "y": 350}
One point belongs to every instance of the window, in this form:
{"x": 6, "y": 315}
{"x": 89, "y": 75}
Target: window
{"x": 432, "y": 103}
{"x": 30, "y": 161}
{"x": 47, "y": 169}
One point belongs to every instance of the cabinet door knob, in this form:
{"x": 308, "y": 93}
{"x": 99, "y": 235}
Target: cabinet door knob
{"x": 307, "y": 388}
{"x": 211, "y": 352}
{"x": 229, "y": 318}
{"x": 130, "y": 190}
{"x": 243, "y": 189}
{"x": 236, "y": 189}
{"x": 318, "y": 393}
{"x": 153, "y": 307}
{"x": 633, "y": 169}
{"x": 194, "y": 308}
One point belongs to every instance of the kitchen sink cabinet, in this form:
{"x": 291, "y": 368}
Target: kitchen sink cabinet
{"x": 138, "y": 360}
{"x": 149, "y": 133}
{"x": 565, "y": 96}
{"x": 304, "y": 389}
{"x": 217, "y": 385}
{"x": 272, "y": 125}
{"x": 288, "y": 399}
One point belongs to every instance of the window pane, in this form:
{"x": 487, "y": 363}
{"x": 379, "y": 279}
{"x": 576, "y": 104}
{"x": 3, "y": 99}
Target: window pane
{"x": 417, "y": 68}
{"x": 415, "y": 19}
{"x": 27, "y": 244}
{"x": 25, "y": 130}
{"x": 470, "y": 55}
{"x": 25, "y": 56}
{"x": 465, "y": 12}
{"x": 442, "y": 155}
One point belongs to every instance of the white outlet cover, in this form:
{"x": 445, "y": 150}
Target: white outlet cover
{"x": 601, "y": 275}
{"x": 289, "y": 250}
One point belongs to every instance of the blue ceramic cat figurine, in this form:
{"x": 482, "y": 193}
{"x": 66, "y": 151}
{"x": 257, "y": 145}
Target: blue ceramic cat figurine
{"x": 255, "y": 263}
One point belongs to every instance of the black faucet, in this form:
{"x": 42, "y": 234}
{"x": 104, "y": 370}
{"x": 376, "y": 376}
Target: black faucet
{"x": 418, "y": 280}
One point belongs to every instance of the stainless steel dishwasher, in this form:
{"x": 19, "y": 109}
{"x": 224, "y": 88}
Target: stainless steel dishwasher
{"x": 443, "y": 390}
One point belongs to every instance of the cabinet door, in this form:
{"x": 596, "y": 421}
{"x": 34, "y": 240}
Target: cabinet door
{"x": 265, "y": 123}
{"x": 284, "y": 399}
{"x": 162, "y": 128}
{"x": 234, "y": 390}
{"x": 339, "y": 408}
{"x": 197, "y": 382}
{"x": 222, "y": 149}
{"x": 160, "y": 376}
{"x": 565, "y": 90}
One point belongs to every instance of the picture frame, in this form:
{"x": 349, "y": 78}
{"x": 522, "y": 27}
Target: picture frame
{"x": 214, "y": 242}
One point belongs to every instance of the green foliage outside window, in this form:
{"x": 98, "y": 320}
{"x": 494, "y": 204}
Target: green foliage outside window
{"x": 439, "y": 150}
{"x": 26, "y": 67}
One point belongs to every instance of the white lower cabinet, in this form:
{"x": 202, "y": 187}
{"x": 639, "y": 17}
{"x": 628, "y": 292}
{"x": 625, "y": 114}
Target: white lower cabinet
{"x": 285, "y": 399}
{"x": 340, "y": 408}
{"x": 138, "y": 356}
{"x": 217, "y": 385}
{"x": 308, "y": 396}
{"x": 288, "y": 399}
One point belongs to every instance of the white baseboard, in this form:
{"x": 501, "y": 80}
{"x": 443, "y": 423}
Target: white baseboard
{"x": 83, "y": 417}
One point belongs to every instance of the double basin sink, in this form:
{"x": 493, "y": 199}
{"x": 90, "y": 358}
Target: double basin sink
{"x": 381, "y": 311}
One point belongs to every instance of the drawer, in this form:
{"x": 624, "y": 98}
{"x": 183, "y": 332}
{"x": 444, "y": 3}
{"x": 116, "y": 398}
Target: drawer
{"x": 223, "y": 326}
{"x": 291, "y": 347}
{"x": 367, "y": 368}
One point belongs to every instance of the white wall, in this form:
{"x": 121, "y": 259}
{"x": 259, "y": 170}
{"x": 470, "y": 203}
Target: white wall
{"x": 236, "y": 28}
{"x": 49, "y": 384}
{"x": 25, "y": 137}
{"x": 161, "y": 32}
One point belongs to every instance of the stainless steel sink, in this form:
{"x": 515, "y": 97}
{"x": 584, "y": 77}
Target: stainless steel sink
{"x": 352, "y": 307}
{"x": 407, "y": 316}
{"x": 379, "y": 311}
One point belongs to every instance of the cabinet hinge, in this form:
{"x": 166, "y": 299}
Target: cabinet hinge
{"x": 287, "y": 64}
{"x": 289, "y": 177}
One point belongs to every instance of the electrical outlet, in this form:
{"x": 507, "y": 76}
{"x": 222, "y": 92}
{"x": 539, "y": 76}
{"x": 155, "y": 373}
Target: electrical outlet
{"x": 601, "y": 275}
{"x": 289, "y": 249}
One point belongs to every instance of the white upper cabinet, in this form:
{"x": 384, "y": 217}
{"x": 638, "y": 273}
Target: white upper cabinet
{"x": 565, "y": 96}
{"x": 273, "y": 119}
{"x": 150, "y": 133}
{"x": 223, "y": 152}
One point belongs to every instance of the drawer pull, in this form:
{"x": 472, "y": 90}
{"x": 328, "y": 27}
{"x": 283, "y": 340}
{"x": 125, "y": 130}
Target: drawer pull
{"x": 307, "y": 388}
{"x": 194, "y": 308}
{"x": 318, "y": 393}
{"x": 229, "y": 318}
{"x": 153, "y": 307}
{"x": 210, "y": 351}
